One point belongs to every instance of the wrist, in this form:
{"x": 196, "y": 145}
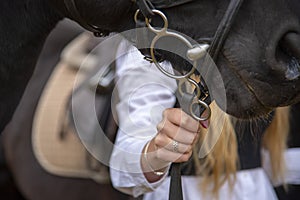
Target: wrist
{"x": 158, "y": 172}
{"x": 153, "y": 168}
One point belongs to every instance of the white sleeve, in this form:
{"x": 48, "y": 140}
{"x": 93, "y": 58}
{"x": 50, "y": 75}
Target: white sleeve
{"x": 144, "y": 93}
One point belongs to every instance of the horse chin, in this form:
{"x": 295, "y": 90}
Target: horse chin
{"x": 250, "y": 95}
{"x": 251, "y": 110}
{"x": 242, "y": 101}
{"x": 275, "y": 93}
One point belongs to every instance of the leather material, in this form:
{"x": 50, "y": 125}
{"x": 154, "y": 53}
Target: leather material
{"x": 71, "y": 7}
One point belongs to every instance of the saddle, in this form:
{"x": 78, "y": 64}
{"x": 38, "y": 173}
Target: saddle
{"x": 73, "y": 125}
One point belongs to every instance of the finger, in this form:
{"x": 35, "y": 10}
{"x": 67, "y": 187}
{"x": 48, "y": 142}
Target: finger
{"x": 177, "y": 133}
{"x": 204, "y": 124}
{"x": 180, "y": 118}
{"x": 169, "y": 144}
{"x": 169, "y": 156}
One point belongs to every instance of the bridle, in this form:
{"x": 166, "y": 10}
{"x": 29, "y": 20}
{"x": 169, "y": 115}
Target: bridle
{"x": 150, "y": 8}
{"x": 201, "y": 96}
{"x": 73, "y": 11}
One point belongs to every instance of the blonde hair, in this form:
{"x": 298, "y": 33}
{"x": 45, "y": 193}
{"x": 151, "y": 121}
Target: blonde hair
{"x": 221, "y": 161}
{"x": 275, "y": 141}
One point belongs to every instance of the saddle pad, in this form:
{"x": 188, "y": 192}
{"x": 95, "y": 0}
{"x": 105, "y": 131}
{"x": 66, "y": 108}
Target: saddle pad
{"x": 62, "y": 156}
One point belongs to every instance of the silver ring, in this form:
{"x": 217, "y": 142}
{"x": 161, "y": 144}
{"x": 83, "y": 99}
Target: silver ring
{"x": 175, "y": 146}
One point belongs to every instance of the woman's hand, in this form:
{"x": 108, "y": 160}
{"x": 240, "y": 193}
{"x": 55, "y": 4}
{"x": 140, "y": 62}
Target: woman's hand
{"x": 177, "y": 133}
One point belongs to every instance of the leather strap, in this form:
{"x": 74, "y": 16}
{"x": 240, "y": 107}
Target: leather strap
{"x": 224, "y": 28}
{"x": 145, "y": 7}
{"x": 142, "y": 34}
{"x": 169, "y": 3}
{"x": 175, "y": 192}
{"x": 72, "y": 9}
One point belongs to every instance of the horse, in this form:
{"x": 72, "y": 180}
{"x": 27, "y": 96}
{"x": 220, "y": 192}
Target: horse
{"x": 17, "y": 141}
{"x": 260, "y": 70}
{"x": 259, "y": 60}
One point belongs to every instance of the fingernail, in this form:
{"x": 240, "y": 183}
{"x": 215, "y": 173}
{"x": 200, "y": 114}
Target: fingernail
{"x": 204, "y": 124}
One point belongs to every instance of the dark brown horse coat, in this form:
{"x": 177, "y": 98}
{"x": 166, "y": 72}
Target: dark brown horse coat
{"x": 259, "y": 60}
{"x": 256, "y": 62}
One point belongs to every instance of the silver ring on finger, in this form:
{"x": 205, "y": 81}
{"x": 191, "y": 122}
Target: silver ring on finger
{"x": 175, "y": 146}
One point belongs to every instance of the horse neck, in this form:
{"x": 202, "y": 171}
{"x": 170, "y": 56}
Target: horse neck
{"x": 24, "y": 27}
{"x": 110, "y": 15}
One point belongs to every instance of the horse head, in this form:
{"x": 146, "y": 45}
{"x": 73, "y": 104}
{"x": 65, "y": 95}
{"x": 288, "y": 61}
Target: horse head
{"x": 259, "y": 61}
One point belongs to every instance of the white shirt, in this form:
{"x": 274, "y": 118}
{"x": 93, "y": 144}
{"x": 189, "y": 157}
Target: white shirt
{"x": 144, "y": 93}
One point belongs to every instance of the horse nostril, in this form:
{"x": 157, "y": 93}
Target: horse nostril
{"x": 288, "y": 55}
{"x": 291, "y": 42}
